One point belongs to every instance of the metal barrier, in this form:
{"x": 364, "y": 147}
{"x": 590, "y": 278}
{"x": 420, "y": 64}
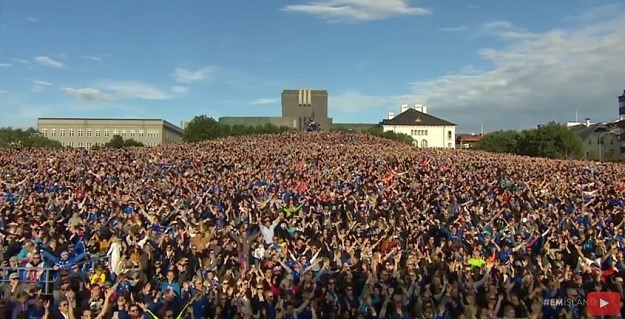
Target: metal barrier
{"x": 45, "y": 277}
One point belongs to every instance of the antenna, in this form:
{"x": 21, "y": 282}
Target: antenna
{"x": 576, "y": 117}
{"x": 482, "y": 129}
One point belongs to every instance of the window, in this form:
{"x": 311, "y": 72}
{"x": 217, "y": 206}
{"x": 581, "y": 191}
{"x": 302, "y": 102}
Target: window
{"x": 424, "y": 143}
{"x": 44, "y": 132}
{"x": 88, "y": 144}
{"x": 132, "y": 133}
{"x": 449, "y": 144}
{"x": 448, "y": 134}
{"x": 81, "y": 132}
{"x": 53, "y": 132}
{"x": 115, "y": 132}
{"x": 70, "y": 144}
{"x": 62, "y": 132}
{"x": 140, "y": 133}
{"x": 89, "y": 132}
{"x": 107, "y": 133}
{"x": 72, "y": 133}
{"x": 123, "y": 133}
{"x": 98, "y": 133}
{"x": 425, "y": 132}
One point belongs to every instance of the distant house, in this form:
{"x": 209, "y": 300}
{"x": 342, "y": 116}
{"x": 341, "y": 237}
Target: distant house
{"x": 467, "y": 140}
{"x": 600, "y": 142}
{"x": 425, "y": 129}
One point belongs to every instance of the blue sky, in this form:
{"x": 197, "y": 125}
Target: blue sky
{"x": 500, "y": 63}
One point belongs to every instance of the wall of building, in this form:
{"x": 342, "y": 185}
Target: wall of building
{"x": 258, "y": 121}
{"x": 609, "y": 150}
{"x": 427, "y": 136}
{"x": 91, "y": 132}
{"x": 306, "y": 105}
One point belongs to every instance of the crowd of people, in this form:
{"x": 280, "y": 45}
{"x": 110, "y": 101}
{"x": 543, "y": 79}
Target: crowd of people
{"x": 305, "y": 226}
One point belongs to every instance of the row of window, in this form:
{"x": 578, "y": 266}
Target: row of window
{"x": 98, "y": 133}
{"x": 89, "y": 144}
{"x": 424, "y": 144}
{"x": 425, "y": 133}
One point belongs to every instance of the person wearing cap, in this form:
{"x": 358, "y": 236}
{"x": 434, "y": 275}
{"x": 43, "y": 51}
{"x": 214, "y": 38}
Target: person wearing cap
{"x": 11, "y": 291}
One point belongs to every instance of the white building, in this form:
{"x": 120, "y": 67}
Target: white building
{"x": 425, "y": 129}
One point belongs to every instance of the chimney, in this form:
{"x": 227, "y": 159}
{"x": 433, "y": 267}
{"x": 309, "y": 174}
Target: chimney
{"x": 418, "y": 107}
{"x": 391, "y": 115}
{"x": 587, "y": 122}
{"x": 424, "y": 109}
{"x": 404, "y": 108}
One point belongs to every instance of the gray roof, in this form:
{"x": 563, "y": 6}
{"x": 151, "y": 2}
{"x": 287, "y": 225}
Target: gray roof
{"x": 585, "y": 132}
{"x": 414, "y": 117}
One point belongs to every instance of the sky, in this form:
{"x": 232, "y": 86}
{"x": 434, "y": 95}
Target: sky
{"x": 500, "y": 64}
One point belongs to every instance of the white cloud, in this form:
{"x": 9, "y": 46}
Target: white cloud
{"x": 5, "y": 65}
{"x": 454, "y": 29}
{"x": 357, "y": 10}
{"x": 3, "y": 91}
{"x": 536, "y": 77}
{"x": 180, "y": 89}
{"x": 49, "y": 62}
{"x": 118, "y": 91}
{"x": 205, "y": 74}
{"x": 39, "y": 86}
{"x": 353, "y": 102}
{"x": 265, "y": 101}
{"x": 42, "y": 83}
{"x": 32, "y": 19}
{"x": 96, "y": 58}
{"x": 87, "y": 94}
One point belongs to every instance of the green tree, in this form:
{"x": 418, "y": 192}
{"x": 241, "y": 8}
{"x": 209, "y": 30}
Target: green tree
{"x": 116, "y": 142}
{"x": 202, "y": 128}
{"x": 552, "y": 140}
{"x": 132, "y": 143}
{"x": 377, "y": 130}
{"x": 10, "y": 137}
{"x": 499, "y": 142}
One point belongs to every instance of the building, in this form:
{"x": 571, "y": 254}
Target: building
{"x": 600, "y": 142}
{"x": 258, "y": 121}
{"x": 467, "y": 140}
{"x": 425, "y": 129}
{"x": 306, "y": 106}
{"x": 299, "y": 107}
{"x": 88, "y": 132}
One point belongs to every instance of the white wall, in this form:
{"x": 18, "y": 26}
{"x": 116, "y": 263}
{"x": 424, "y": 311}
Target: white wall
{"x": 436, "y": 136}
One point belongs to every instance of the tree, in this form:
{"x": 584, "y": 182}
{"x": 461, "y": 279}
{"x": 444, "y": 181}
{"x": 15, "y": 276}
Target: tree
{"x": 132, "y": 143}
{"x": 202, "y": 128}
{"x": 10, "y": 137}
{"x": 378, "y": 130}
{"x": 499, "y": 142}
{"x": 552, "y": 140}
{"x": 116, "y": 142}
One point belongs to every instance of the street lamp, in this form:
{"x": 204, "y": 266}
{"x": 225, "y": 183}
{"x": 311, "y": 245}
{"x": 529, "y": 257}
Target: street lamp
{"x": 601, "y": 142}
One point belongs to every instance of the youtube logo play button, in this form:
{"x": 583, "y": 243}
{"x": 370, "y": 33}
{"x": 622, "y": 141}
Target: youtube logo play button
{"x": 603, "y": 304}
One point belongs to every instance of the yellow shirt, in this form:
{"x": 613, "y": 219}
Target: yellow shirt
{"x": 98, "y": 279}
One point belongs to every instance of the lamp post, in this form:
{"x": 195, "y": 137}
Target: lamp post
{"x": 601, "y": 142}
